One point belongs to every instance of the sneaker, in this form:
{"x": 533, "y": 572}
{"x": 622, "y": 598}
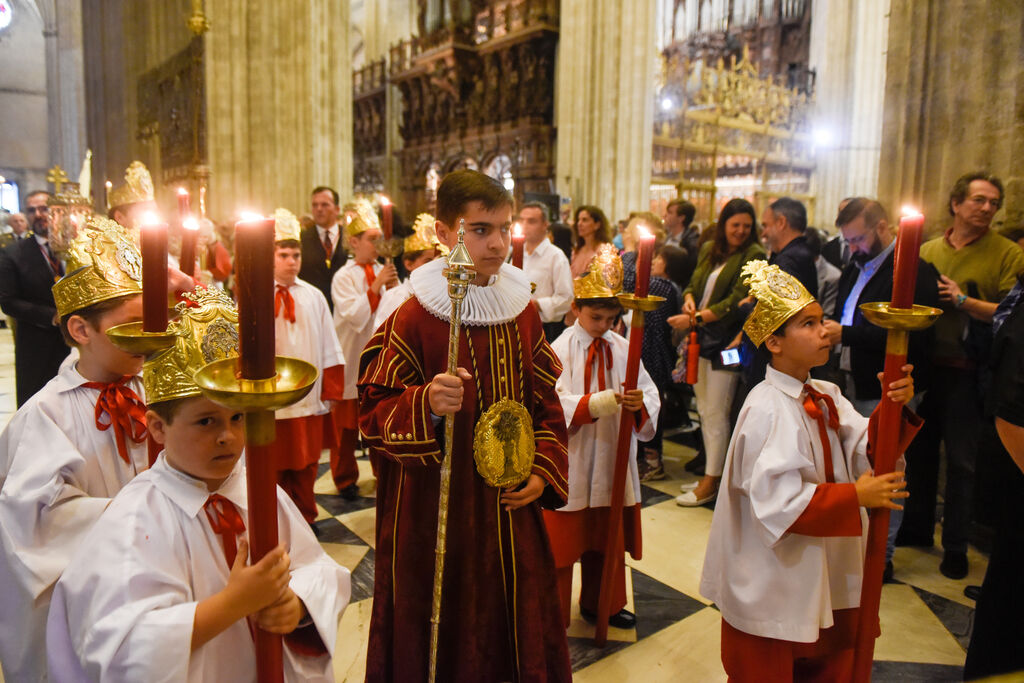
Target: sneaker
{"x": 690, "y": 499}
{"x": 954, "y": 564}
{"x": 650, "y": 472}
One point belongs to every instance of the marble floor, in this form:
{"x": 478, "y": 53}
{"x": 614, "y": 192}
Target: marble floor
{"x": 926, "y": 619}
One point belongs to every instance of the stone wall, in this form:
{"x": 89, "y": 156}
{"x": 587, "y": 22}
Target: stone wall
{"x": 24, "y": 152}
{"x": 954, "y": 102}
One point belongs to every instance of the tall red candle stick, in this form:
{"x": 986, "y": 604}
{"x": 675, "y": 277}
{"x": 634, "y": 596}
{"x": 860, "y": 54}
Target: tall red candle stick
{"x": 518, "y": 239}
{"x": 886, "y": 446}
{"x": 386, "y": 219}
{"x": 183, "y": 204}
{"x": 153, "y": 245}
{"x": 645, "y": 254}
{"x": 189, "y": 235}
{"x": 254, "y": 268}
{"x": 908, "y": 247}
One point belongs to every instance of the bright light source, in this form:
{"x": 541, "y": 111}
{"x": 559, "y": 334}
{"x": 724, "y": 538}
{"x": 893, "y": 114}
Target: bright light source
{"x": 517, "y": 229}
{"x": 250, "y": 216}
{"x": 667, "y": 103}
{"x": 384, "y": 201}
{"x": 182, "y": 192}
{"x": 190, "y": 224}
{"x": 823, "y": 137}
{"x": 508, "y": 181}
{"x": 150, "y": 218}
{"x": 909, "y": 210}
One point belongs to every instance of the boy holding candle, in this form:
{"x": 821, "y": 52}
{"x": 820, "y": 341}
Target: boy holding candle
{"x": 593, "y": 359}
{"x": 418, "y": 249}
{"x": 356, "y": 290}
{"x": 785, "y": 555}
{"x": 500, "y": 618}
{"x": 74, "y": 445}
{"x": 178, "y": 532}
{"x": 303, "y": 330}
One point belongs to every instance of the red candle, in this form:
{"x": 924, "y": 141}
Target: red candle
{"x": 518, "y": 239}
{"x": 183, "y": 204}
{"x": 385, "y": 210}
{"x": 153, "y": 245}
{"x": 907, "y": 251}
{"x": 692, "y": 358}
{"x": 254, "y": 268}
{"x": 645, "y": 254}
{"x": 189, "y": 235}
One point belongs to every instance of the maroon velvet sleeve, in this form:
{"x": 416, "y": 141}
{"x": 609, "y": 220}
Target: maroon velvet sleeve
{"x": 833, "y": 511}
{"x": 582, "y": 415}
{"x": 333, "y": 387}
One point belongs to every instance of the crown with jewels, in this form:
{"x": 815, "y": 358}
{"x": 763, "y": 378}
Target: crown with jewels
{"x": 206, "y": 331}
{"x": 286, "y": 226}
{"x": 365, "y": 219}
{"x": 423, "y": 236}
{"x": 603, "y": 279}
{"x": 102, "y": 263}
{"x": 138, "y": 186}
{"x": 779, "y": 296}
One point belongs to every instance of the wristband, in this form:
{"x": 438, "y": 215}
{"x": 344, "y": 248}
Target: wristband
{"x": 960, "y": 299}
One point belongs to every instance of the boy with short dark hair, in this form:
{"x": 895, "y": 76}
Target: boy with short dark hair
{"x": 499, "y": 602}
{"x": 74, "y": 444}
{"x": 303, "y": 330}
{"x": 161, "y": 587}
{"x": 593, "y": 359}
{"x": 356, "y": 289}
{"x": 784, "y": 562}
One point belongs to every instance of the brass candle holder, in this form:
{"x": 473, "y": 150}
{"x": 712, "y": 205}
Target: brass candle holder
{"x": 390, "y": 248}
{"x": 131, "y": 338}
{"x": 899, "y": 321}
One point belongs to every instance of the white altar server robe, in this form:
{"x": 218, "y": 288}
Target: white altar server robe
{"x": 592, "y": 447}
{"x": 353, "y": 318}
{"x": 125, "y": 607}
{"x": 390, "y": 302}
{"x": 311, "y": 338}
{"x": 57, "y": 474}
{"x": 548, "y": 268}
{"x": 765, "y": 581}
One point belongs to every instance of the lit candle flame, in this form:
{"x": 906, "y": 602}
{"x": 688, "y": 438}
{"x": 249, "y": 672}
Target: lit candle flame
{"x": 190, "y": 224}
{"x": 182, "y": 191}
{"x": 109, "y": 184}
{"x": 384, "y": 201}
{"x": 150, "y": 218}
{"x": 250, "y": 216}
{"x": 908, "y": 210}
{"x": 642, "y": 232}
{"x": 517, "y": 229}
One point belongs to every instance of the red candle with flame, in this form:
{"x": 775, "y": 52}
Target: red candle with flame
{"x": 385, "y": 211}
{"x": 645, "y": 254}
{"x": 183, "y": 204}
{"x": 153, "y": 245}
{"x": 905, "y": 258}
{"x": 518, "y": 239}
{"x": 189, "y": 235}
{"x": 254, "y": 268}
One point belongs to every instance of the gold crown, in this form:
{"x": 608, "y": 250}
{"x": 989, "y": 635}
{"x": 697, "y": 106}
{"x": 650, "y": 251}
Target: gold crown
{"x": 138, "y": 186}
{"x": 286, "y": 226}
{"x": 102, "y": 263}
{"x": 206, "y": 330}
{"x": 603, "y": 279}
{"x": 423, "y": 236}
{"x": 779, "y": 295}
{"x": 365, "y": 219}
{"x": 70, "y": 194}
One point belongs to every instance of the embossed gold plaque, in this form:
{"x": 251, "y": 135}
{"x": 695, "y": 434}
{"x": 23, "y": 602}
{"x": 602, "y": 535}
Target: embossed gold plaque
{"x": 503, "y": 444}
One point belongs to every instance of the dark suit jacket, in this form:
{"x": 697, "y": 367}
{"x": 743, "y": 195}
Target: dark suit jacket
{"x": 26, "y": 296}
{"x": 797, "y": 259}
{"x": 315, "y": 269}
{"x": 832, "y": 252}
{"x": 867, "y": 341}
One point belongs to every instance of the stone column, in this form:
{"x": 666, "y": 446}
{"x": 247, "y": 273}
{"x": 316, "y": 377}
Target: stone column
{"x": 279, "y": 103}
{"x": 65, "y": 82}
{"x": 953, "y": 96}
{"x": 604, "y": 103}
{"x": 847, "y": 52}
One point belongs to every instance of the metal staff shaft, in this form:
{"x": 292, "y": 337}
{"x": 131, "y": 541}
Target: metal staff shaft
{"x": 459, "y": 277}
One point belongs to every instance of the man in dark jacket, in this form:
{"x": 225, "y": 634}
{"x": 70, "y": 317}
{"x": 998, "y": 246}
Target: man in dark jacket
{"x": 783, "y": 225}
{"x": 322, "y": 244}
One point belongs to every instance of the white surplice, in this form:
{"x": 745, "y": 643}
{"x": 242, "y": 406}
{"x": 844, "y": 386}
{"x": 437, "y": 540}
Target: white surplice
{"x": 390, "y": 302}
{"x": 125, "y": 607}
{"x": 311, "y": 338}
{"x": 353, "y": 318}
{"x": 548, "y": 268}
{"x": 57, "y": 474}
{"x": 766, "y": 581}
{"x": 592, "y": 447}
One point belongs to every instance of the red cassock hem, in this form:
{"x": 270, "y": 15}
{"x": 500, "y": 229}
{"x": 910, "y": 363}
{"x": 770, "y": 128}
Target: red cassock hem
{"x": 300, "y": 440}
{"x": 574, "y": 533}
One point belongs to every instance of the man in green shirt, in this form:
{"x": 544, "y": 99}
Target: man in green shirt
{"x": 977, "y": 267}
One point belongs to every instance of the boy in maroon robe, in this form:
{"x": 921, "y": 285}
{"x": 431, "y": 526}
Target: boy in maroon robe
{"x": 500, "y": 618}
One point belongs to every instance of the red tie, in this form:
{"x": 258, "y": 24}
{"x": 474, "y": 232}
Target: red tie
{"x": 328, "y": 249}
{"x": 282, "y": 297}
{"x": 814, "y": 410}
{"x": 374, "y": 296}
{"x": 599, "y": 353}
{"x": 125, "y": 412}
{"x": 226, "y": 522}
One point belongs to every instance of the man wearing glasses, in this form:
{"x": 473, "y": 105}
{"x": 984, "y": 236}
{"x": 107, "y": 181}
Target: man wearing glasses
{"x": 977, "y": 267}
{"x": 28, "y": 269}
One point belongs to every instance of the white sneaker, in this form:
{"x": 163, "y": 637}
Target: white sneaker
{"x": 689, "y": 500}
{"x": 689, "y": 486}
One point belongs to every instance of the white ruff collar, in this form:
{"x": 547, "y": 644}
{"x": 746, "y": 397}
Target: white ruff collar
{"x": 499, "y": 302}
